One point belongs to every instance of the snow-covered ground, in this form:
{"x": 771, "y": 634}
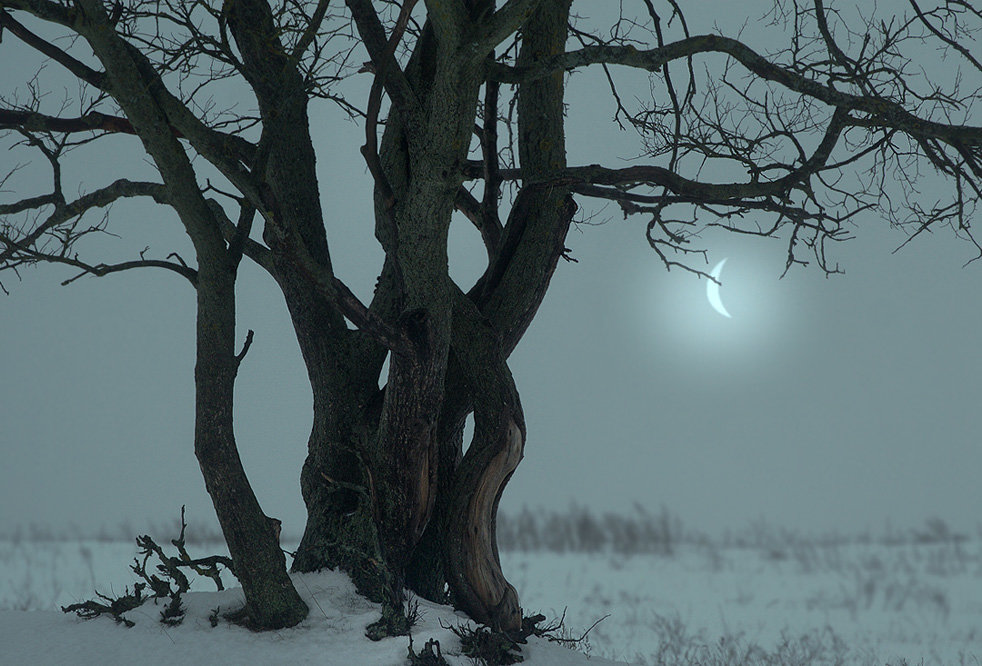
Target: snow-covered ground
{"x": 333, "y": 633}
{"x": 796, "y": 601}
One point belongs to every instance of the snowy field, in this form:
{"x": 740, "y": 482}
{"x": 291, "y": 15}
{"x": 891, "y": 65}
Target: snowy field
{"x": 763, "y": 597}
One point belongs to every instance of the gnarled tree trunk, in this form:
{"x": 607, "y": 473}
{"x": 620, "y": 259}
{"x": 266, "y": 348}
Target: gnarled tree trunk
{"x": 397, "y": 502}
{"x": 471, "y": 552}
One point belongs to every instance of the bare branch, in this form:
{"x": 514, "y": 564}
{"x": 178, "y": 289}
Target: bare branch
{"x": 370, "y": 149}
{"x": 316, "y": 19}
{"x": 338, "y": 293}
{"x": 57, "y": 13}
{"x": 65, "y": 212}
{"x": 94, "y": 121}
{"x": 29, "y": 204}
{"x": 234, "y": 234}
{"x": 100, "y": 270}
{"x": 375, "y": 41}
{"x": 889, "y": 112}
{"x": 596, "y": 174}
{"x": 245, "y": 348}
{"x": 490, "y": 225}
{"x": 504, "y": 22}
{"x": 943, "y": 37}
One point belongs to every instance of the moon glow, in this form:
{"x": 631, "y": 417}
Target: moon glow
{"x": 712, "y": 291}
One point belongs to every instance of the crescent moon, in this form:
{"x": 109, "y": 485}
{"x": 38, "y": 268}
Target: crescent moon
{"x": 712, "y": 291}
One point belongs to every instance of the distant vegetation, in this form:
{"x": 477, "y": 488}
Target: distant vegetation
{"x": 579, "y": 530}
{"x": 576, "y": 529}
{"x": 759, "y": 595}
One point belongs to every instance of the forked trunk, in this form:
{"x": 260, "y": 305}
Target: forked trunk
{"x": 407, "y": 506}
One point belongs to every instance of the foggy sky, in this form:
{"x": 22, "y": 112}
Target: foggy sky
{"x": 823, "y": 404}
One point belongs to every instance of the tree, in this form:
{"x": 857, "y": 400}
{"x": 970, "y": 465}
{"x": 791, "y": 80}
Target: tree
{"x": 805, "y": 137}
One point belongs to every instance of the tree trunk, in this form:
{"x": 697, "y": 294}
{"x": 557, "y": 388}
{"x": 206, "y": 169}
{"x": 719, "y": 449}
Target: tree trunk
{"x": 342, "y": 365}
{"x": 337, "y": 480}
{"x": 407, "y": 507}
{"x": 271, "y": 600}
{"x": 471, "y": 558}
{"x": 253, "y": 541}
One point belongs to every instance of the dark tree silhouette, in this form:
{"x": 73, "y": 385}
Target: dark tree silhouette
{"x": 465, "y": 113}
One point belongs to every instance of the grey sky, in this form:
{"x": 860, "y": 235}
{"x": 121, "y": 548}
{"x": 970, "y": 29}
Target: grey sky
{"x": 822, "y": 404}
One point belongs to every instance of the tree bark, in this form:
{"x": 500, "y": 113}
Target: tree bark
{"x": 420, "y": 470}
{"x": 271, "y": 600}
{"x": 471, "y": 558}
{"x": 408, "y": 443}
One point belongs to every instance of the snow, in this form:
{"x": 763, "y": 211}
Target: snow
{"x": 781, "y": 600}
{"x": 847, "y": 604}
{"x": 333, "y": 633}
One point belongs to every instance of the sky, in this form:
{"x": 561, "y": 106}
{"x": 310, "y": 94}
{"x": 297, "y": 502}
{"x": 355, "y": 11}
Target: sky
{"x": 824, "y": 404}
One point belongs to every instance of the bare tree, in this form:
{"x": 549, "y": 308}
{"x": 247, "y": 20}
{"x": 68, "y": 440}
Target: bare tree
{"x": 468, "y": 99}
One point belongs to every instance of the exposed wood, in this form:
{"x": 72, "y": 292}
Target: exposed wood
{"x": 474, "y": 573}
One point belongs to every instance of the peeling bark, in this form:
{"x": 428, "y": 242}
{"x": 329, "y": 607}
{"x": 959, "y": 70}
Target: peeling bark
{"x": 478, "y": 583}
{"x": 473, "y": 568}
